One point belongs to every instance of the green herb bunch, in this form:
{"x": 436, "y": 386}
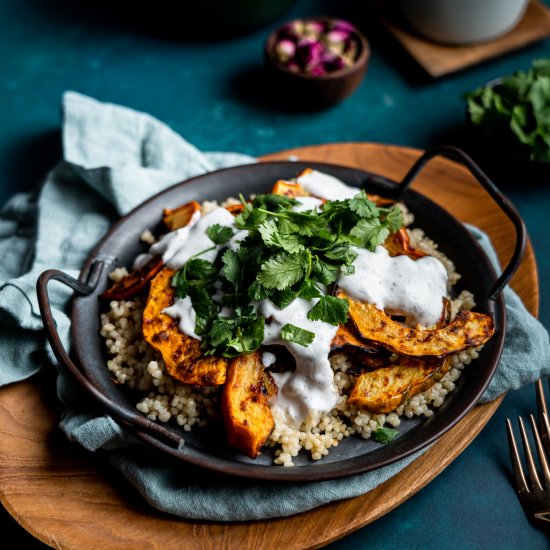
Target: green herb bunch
{"x": 286, "y": 254}
{"x": 516, "y": 111}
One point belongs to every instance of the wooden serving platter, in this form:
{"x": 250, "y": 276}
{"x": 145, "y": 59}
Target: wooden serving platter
{"x": 69, "y": 498}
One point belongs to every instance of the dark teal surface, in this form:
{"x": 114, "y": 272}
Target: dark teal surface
{"x": 214, "y": 94}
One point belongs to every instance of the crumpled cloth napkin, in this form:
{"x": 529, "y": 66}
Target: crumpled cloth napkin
{"x": 114, "y": 158}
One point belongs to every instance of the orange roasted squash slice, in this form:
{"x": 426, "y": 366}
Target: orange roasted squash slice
{"x": 382, "y": 390}
{"x": 399, "y": 244}
{"x": 289, "y": 189}
{"x": 135, "y": 282}
{"x": 181, "y": 353}
{"x": 181, "y": 216}
{"x": 132, "y": 284}
{"x": 244, "y": 405}
{"x": 468, "y": 329}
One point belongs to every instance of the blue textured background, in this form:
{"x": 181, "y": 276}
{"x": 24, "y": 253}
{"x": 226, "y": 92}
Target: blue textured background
{"x": 213, "y": 93}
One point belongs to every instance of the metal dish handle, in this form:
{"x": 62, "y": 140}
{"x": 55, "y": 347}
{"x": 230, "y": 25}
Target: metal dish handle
{"x": 140, "y": 423}
{"x": 500, "y": 199}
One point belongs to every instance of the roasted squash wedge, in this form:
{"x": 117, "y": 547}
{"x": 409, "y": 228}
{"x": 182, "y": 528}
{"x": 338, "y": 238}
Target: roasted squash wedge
{"x": 181, "y": 216}
{"x": 132, "y": 284}
{"x": 468, "y": 329}
{"x": 289, "y": 189}
{"x": 244, "y": 405}
{"x": 235, "y": 208}
{"x": 182, "y": 354}
{"x": 399, "y": 244}
{"x": 383, "y": 390}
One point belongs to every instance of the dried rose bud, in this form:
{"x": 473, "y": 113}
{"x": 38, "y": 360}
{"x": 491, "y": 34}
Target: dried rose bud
{"x": 308, "y": 53}
{"x": 285, "y": 49}
{"x": 343, "y": 26}
{"x": 332, "y": 63}
{"x": 318, "y": 70}
{"x": 338, "y": 36}
{"x": 314, "y": 29}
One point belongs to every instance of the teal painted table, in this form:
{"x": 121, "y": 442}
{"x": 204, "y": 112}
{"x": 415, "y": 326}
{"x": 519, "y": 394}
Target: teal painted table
{"x": 213, "y": 94}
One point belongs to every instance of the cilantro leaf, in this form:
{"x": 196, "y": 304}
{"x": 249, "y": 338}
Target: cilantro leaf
{"x": 292, "y": 333}
{"x": 394, "y": 219}
{"x": 283, "y": 270}
{"x": 326, "y": 273}
{"x": 283, "y": 298}
{"x": 370, "y": 233}
{"x": 384, "y": 435}
{"x": 257, "y": 292}
{"x": 343, "y": 252}
{"x": 272, "y": 237}
{"x": 330, "y": 310}
{"x": 309, "y": 290}
{"x": 231, "y": 267}
{"x": 362, "y": 206}
{"x": 197, "y": 268}
{"x": 219, "y": 234}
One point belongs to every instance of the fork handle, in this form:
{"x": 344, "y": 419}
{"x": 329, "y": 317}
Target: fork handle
{"x": 500, "y": 199}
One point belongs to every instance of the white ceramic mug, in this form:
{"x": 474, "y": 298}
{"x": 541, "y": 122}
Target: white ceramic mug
{"x": 461, "y": 22}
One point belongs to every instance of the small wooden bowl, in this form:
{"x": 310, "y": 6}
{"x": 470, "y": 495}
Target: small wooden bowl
{"x": 316, "y": 91}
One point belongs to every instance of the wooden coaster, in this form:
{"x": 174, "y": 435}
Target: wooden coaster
{"x": 439, "y": 59}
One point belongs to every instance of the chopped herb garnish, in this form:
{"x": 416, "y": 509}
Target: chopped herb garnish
{"x": 384, "y": 435}
{"x": 219, "y": 234}
{"x": 286, "y": 255}
{"x": 330, "y": 310}
{"x": 292, "y": 333}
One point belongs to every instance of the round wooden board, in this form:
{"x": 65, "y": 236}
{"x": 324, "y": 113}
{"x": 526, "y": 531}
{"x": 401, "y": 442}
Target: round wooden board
{"x": 71, "y": 499}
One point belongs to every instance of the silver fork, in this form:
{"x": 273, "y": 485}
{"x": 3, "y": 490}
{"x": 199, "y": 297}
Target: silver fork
{"x": 542, "y": 408}
{"x": 534, "y": 493}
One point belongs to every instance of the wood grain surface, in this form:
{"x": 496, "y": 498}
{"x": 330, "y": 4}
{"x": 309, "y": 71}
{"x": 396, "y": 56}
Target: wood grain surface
{"x": 72, "y": 499}
{"x": 440, "y": 59}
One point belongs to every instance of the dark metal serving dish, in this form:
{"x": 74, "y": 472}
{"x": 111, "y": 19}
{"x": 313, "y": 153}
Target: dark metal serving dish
{"x": 206, "y": 447}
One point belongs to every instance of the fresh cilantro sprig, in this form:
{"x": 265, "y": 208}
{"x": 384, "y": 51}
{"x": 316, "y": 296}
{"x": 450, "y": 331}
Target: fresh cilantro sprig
{"x": 286, "y": 255}
{"x": 515, "y": 111}
{"x": 384, "y": 435}
{"x": 292, "y": 333}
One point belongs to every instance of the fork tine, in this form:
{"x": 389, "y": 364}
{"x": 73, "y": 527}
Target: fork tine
{"x": 521, "y": 482}
{"x": 542, "y": 453}
{"x": 529, "y": 456}
{"x": 542, "y": 413}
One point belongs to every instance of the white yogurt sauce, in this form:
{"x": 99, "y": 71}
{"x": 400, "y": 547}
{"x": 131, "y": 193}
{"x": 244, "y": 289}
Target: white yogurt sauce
{"x": 268, "y": 359}
{"x": 182, "y": 310}
{"x": 178, "y": 246}
{"x": 398, "y": 285}
{"x": 309, "y": 388}
{"x": 307, "y": 203}
{"x": 325, "y": 186}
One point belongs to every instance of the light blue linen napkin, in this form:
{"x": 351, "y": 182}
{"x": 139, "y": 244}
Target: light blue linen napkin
{"x": 114, "y": 158}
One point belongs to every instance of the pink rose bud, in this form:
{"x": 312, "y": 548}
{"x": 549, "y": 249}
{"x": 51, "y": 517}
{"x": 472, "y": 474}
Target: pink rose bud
{"x": 343, "y": 26}
{"x": 285, "y": 49}
{"x": 314, "y": 27}
{"x": 332, "y": 63}
{"x": 308, "y": 53}
{"x": 337, "y": 36}
{"x": 317, "y": 70}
